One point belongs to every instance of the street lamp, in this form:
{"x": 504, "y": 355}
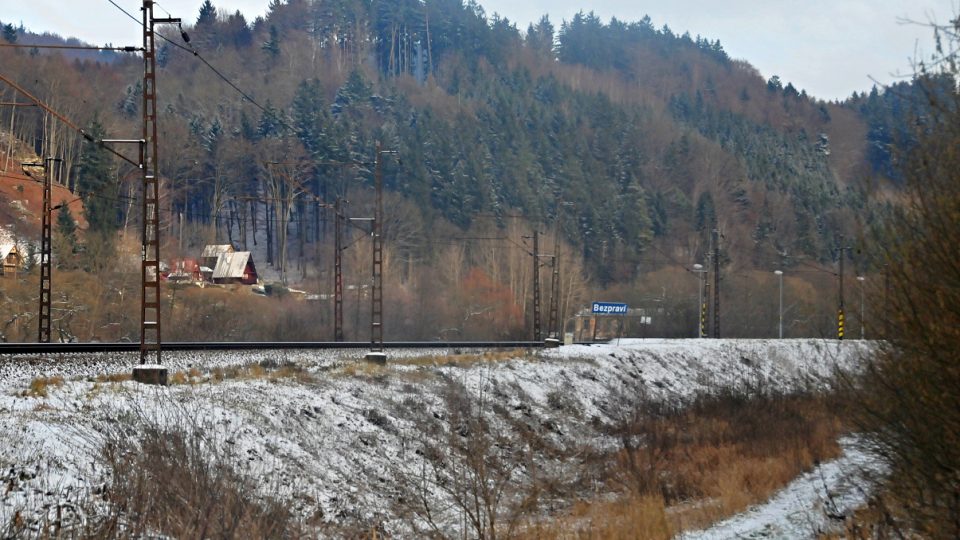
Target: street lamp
{"x": 699, "y": 269}
{"x": 779, "y": 274}
{"x": 863, "y": 331}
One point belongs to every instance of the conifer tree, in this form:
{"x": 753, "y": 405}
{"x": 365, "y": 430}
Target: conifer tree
{"x": 706, "y": 218}
{"x": 208, "y": 14}
{"x": 95, "y": 184}
{"x": 65, "y": 239}
{"x": 272, "y": 45}
{"x": 66, "y": 225}
{"x": 9, "y": 33}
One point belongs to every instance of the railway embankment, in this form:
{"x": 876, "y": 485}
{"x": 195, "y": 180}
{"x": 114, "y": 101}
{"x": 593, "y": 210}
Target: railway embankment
{"x": 435, "y": 440}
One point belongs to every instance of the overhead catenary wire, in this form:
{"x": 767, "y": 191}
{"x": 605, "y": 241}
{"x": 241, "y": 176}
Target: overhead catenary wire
{"x": 125, "y": 199}
{"x": 63, "y": 202}
{"x": 128, "y": 48}
{"x": 193, "y": 51}
{"x": 65, "y": 120}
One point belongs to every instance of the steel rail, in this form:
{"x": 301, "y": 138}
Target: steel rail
{"x": 49, "y": 348}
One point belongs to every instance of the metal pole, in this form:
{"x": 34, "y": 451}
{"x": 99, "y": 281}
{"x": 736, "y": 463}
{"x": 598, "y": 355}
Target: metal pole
{"x": 840, "y": 314}
{"x": 700, "y": 271}
{"x": 703, "y": 303}
{"x": 338, "y": 274}
{"x": 781, "y": 305}
{"x": 553, "y": 329}
{"x": 150, "y": 335}
{"x": 536, "y": 286}
{"x": 779, "y": 274}
{"x": 376, "y": 353}
{"x": 716, "y": 283}
{"x": 150, "y": 340}
{"x": 45, "y": 254}
{"x": 705, "y": 316}
{"x": 863, "y": 331}
{"x": 700, "y": 305}
{"x": 180, "y": 238}
{"x": 886, "y": 301}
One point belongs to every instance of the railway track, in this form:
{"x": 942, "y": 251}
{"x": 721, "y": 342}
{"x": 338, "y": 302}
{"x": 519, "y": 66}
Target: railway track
{"x": 40, "y": 348}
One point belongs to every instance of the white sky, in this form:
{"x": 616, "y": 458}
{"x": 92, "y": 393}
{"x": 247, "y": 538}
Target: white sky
{"x": 830, "y": 48}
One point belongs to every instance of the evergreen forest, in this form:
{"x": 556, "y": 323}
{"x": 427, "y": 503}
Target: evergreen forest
{"x": 625, "y": 144}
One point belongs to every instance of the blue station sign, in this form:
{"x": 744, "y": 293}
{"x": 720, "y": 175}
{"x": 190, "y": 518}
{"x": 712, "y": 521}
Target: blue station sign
{"x": 609, "y": 308}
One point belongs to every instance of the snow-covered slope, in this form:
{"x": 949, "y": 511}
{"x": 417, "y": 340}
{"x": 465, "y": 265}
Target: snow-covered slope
{"x": 339, "y": 440}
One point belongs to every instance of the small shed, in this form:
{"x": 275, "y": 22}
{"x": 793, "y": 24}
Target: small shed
{"x": 235, "y": 267}
{"x": 11, "y": 259}
{"x": 212, "y": 252}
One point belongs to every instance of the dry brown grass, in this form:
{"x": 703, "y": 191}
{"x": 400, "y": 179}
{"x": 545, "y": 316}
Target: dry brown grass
{"x": 268, "y": 371}
{"x": 40, "y": 386}
{"x": 191, "y": 376}
{"x": 370, "y": 370}
{"x": 114, "y": 377}
{"x": 465, "y": 360}
{"x": 731, "y": 452}
{"x": 703, "y": 463}
{"x": 361, "y": 369}
{"x": 627, "y": 518}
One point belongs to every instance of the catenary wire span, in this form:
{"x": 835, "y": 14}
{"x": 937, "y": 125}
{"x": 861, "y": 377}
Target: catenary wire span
{"x": 194, "y": 52}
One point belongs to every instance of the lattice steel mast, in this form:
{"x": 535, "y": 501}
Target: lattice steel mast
{"x": 376, "y": 293}
{"x": 150, "y": 334}
{"x": 45, "y": 252}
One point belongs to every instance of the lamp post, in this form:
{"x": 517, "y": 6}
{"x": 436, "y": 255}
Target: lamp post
{"x": 779, "y": 274}
{"x": 863, "y": 331}
{"x": 701, "y": 312}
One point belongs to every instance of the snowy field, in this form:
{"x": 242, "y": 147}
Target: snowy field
{"x": 341, "y": 442}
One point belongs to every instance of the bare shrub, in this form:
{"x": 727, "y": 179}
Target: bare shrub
{"x": 910, "y": 395}
{"x": 173, "y": 476}
{"x": 480, "y": 466}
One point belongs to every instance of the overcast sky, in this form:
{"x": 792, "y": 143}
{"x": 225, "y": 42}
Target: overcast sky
{"x": 830, "y": 48}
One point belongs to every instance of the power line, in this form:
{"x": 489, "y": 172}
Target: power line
{"x": 669, "y": 258}
{"x": 192, "y": 50}
{"x": 65, "y": 120}
{"x": 73, "y": 47}
{"x": 814, "y": 267}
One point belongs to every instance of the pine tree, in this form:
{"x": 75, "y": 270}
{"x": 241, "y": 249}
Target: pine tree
{"x": 774, "y": 84}
{"x": 95, "y": 183}
{"x": 635, "y": 222}
{"x": 65, "y": 239}
{"x": 67, "y": 226}
{"x": 9, "y": 33}
{"x": 208, "y": 14}
{"x": 237, "y": 32}
{"x": 540, "y": 37}
{"x": 309, "y": 118}
{"x": 272, "y": 45}
{"x": 706, "y": 218}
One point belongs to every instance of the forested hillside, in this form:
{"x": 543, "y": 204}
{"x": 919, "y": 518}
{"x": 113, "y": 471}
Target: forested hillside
{"x": 642, "y": 141}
